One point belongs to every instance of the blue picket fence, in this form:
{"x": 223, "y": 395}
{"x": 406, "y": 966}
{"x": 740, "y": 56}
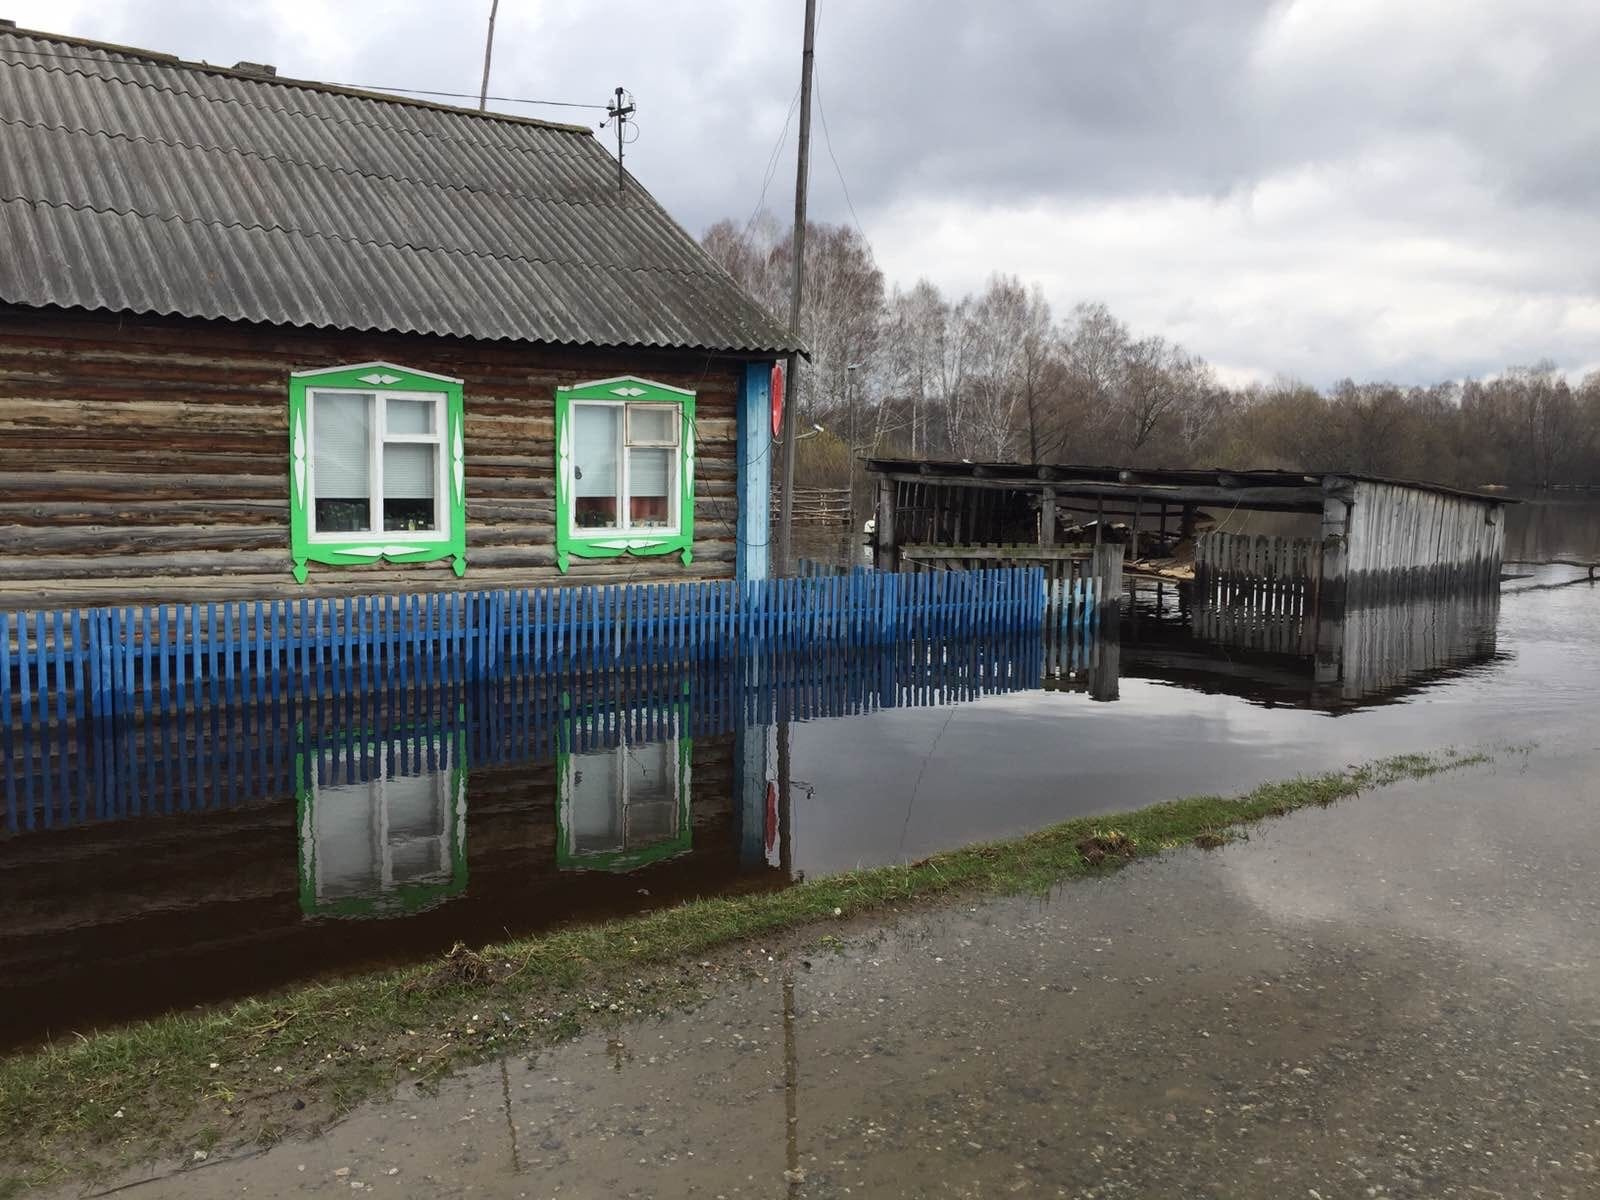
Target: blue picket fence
{"x": 69, "y": 666}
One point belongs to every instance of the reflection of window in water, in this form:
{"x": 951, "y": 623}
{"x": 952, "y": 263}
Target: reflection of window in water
{"x": 625, "y": 806}
{"x": 382, "y": 832}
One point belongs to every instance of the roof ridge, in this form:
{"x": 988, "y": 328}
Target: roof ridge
{"x": 343, "y": 239}
{"x": 164, "y": 59}
{"x": 311, "y": 165}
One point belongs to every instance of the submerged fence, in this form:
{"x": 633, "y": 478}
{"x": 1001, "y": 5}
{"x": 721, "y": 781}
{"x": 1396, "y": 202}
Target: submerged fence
{"x": 69, "y": 666}
{"x": 1266, "y": 574}
{"x": 201, "y": 761}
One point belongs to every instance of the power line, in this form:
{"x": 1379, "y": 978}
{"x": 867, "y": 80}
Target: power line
{"x": 772, "y": 162}
{"x": 135, "y": 60}
{"x": 837, "y": 170}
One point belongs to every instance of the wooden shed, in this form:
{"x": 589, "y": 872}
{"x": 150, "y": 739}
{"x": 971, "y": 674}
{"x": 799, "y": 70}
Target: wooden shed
{"x": 1365, "y": 538}
{"x": 264, "y": 337}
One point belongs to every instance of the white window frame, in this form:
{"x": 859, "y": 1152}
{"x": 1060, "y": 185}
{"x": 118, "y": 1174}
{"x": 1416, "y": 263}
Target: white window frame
{"x": 380, "y": 436}
{"x": 625, "y": 448}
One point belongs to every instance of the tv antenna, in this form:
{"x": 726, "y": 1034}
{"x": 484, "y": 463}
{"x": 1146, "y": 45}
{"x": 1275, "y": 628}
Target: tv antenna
{"x": 620, "y": 110}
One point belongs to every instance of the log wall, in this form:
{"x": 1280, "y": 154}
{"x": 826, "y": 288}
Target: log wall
{"x": 146, "y": 459}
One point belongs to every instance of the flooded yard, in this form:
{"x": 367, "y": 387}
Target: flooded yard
{"x": 207, "y": 861}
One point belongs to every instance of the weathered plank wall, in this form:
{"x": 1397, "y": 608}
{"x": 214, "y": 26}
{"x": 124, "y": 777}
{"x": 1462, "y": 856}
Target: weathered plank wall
{"x": 145, "y": 459}
{"x": 1401, "y": 541}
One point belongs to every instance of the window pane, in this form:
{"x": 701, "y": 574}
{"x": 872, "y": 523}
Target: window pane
{"x": 596, "y": 808}
{"x": 410, "y": 416}
{"x": 650, "y": 478}
{"x": 594, "y": 448}
{"x": 653, "y": 424}
{"x": 409, "y": 471}
{"x": 341, "y": 425}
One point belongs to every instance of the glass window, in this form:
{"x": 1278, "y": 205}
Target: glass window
{"x": 341, "y": 451}
{"x": 410, "y": 417}
{"x": 625, "y": 468}
{"x": 375, "y": 463}
{"x": 653, "y": 424}
{"x": 596, "y": 472}
{"x": 409, "y": 472}
{"x": 650, "y": 477}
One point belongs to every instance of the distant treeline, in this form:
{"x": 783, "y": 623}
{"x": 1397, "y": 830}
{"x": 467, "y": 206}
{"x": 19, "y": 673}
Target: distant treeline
{"x": 999, "y": 376}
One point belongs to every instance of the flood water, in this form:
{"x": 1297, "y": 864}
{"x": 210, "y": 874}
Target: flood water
{"x": 178, "y": 864}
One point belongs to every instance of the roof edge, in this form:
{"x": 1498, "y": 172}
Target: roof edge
{"x": 741, "y": 353}
{"x": 162, "y": 58}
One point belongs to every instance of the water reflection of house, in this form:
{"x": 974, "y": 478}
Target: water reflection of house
{"x": 116, "y": 918}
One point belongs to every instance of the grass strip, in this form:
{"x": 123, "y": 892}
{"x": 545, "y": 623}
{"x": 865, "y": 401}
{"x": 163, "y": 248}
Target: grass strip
{"x": 195, "y": 1079}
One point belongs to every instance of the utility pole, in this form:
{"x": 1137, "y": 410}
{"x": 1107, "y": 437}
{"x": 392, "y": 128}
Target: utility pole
{"x": 488, "y": 51}
{"x": 619, "y": 111}
{"x": 791, "y": 399}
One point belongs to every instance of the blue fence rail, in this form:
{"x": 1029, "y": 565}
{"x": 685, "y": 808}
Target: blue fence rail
{"x": 67, "y": 666}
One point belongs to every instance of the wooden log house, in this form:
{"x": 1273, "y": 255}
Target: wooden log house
{"x": 264, "y": 337}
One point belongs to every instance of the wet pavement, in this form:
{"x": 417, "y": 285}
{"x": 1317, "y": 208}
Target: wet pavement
{"x": 1396, "y": 996}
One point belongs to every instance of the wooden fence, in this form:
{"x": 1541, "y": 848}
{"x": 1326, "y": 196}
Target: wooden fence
{"x": 819, "y": 506}
{"x": 1078, "y": 583}
{"x": 66, "y": 666}
{"x": 1270, "y": 575}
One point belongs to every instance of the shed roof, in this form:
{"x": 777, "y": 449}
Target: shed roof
{"x": 1266, "y": 489}
{"x": 134, "y": 181}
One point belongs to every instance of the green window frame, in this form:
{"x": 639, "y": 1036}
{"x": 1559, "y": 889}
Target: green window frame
{"x": 380, "y": 383}
{"x": 637, "y": 435}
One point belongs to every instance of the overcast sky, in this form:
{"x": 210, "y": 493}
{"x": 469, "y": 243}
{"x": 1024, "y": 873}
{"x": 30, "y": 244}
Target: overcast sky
{"x": 1405, "y": 189}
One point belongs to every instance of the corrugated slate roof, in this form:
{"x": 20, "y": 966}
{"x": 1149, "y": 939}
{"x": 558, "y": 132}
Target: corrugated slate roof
{"x": 135, "y": 182}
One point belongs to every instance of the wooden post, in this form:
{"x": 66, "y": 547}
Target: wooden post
{"x": 1047, "y": 517}
{"x": 1099, "y": 520}
{"x": 885, "y": 527}
{"x": 1133, "y": 532}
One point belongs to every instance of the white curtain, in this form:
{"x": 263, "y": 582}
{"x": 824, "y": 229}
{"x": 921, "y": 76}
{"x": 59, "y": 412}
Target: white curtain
{"x": 594, "y": 448}
{"x": 409, "y": 470}
{"x": 341, "y": 439}
{"x": 649, "y": 472}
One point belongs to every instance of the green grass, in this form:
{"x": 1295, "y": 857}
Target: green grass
{"x": 134, "y": 1091}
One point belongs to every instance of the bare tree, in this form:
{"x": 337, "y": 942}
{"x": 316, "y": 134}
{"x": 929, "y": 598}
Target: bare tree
{"x": 991, "y": 376}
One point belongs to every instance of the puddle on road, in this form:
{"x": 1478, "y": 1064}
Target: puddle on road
{"x": 185, "y": 862}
